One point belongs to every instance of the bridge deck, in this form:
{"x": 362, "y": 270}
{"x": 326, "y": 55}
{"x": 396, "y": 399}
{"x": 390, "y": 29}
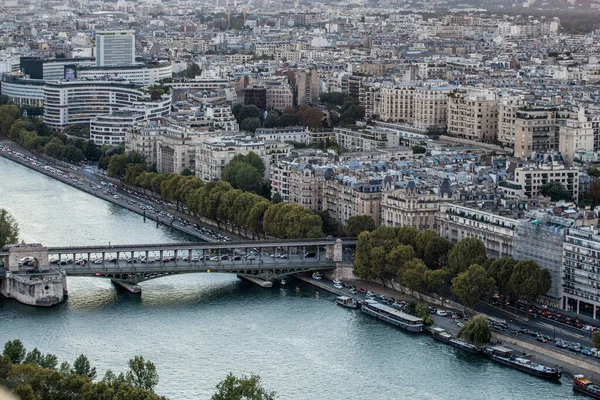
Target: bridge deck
{"x": 200, "y": 246}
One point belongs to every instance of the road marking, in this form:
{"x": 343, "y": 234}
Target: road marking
{"x": 564, "y": 331}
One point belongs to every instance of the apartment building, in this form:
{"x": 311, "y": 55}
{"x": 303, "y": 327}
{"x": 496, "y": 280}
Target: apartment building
{"x": 540, "y": 237}
{"x": 347, "y": 196}
{"x": 169, "y": 147}
{"x": 431, "y": 107}
{"x": 575, "y": 134}
{"x": 307, "y": 84}
{"x": 473, "y": 114}
{"x": 279, "y": 95}
{"x": 581, "y": 272}
{"x": 507, "y": 114}
{"x": 213, "y": 154}
{"x": 535, "y": 132}
{"x": 460, "y": 220}
{"x": 412, "y": 206}
{"x": 365, "y": 139}
{"x": 545, "y": 169}
{"x": 396, "y": 103}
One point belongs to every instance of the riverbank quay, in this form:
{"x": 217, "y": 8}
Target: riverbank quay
{"x": 547, "y": 354}
{"x": 95, "y": 179}
{"x": 71, "y": 177}
{"x": 67, "y": 177}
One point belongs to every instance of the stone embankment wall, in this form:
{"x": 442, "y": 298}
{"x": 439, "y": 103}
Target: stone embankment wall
{"x": 46, "y": 291}
{"x": 570, "y": 364}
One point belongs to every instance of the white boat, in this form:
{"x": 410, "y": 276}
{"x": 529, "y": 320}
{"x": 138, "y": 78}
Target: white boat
{"x": 283, "y": 282}
{"x": 317, "y": 276}
{"x": 346, "y": 301}
{"x": 392, "y": 316}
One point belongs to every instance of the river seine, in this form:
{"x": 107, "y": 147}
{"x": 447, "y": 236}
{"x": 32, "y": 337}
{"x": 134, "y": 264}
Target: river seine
{"x": 197, "y": 328}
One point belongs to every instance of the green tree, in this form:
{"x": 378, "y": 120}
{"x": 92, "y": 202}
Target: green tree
{"x": 501, "y": 270}
{"x": 396, "y": 259}
{"x": 82, "y": 366}
{"x": 33, "y": 357}
{"x": 272, "y": 119}
{"x": 9, "y": 230}
{"x": 91, "y": 151}
{"x": 117, "y": 166}
{"x": 73, "y": 154}
{"x": 244, "y": 112}
{"x": 142, "y": 374}
{"x": 276, "y": 198}
{"x": 556, "y": 191}
{"x": 412, "y": 275}
{"x": 596, "y": 339}
{"x": 467, "y": 252}
{"x": 54, "y": 148}
{"x": 15, "y": 351}
{"x": 186, "y": 172}
{"x": 250, "y": 124}
{"x": 431, "y": 248}
{"x": 472, "y": 285}
{"x": 408, "y": 235}
{"x": 9, "y": 113}
{"x": 49, "y": 361}
{"x": 476, "y": 331}
{"x": 529, "y": 281}
{"x": 331, "y": 226}
{"x": 244, "y": 388}
{"x": 436, "y": 279}
{"x": 288, "y": 120}
{"x": 359, "y": 223}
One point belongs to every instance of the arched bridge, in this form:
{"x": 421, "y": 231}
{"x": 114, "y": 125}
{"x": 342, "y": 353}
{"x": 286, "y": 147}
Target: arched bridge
{"x": 128, "y": 265}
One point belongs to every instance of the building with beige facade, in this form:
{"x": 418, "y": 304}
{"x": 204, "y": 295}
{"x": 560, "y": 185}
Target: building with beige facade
{"x": 575, "y": 134}
{"x": 307, "y": 84}
{"x": 457, "y": 221}
{"x": 535, "y": 132}
{"x": 531, "y": 177}
{"x": 363, "y": 138}
{"x": 396, "y": 103}
{"x": 431, "y": 107}
{"x": 348, "y": 196}
{"x": 213, "y": 154}
{"x": 169, "y": 147}
{"x": 473, "y": 114}
{"x": 279, "y": 95}
{"x": 409, "y": 206}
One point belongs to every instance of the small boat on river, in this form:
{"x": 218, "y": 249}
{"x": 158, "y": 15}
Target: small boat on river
{"x": 441, "y": 335}
{"x": 346, "y": 301}
{"x": 504, "y": 355}
{"x": 585, "y": 386}
{"x": 461, "y": 344}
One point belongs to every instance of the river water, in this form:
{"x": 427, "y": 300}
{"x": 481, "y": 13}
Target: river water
{"x": 197, "y": 328}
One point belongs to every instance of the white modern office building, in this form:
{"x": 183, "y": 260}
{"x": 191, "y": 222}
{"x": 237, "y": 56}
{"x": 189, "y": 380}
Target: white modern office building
{"x": 114, "y": 48}
{"x": 111, "y": 128}
{"x": 22, "y": 91}
{"x": 77, "y": 102}
{"x": 145, "y": 74}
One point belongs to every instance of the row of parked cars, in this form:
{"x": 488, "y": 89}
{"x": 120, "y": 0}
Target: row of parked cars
{"x": 547, "y": 313}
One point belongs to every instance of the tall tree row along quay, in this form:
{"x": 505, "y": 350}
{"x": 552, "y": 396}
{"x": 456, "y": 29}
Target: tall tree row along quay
{"x": 433, "y": 165}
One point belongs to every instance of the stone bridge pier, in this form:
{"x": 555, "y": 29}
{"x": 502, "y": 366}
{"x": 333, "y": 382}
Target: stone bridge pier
{"x": 28, "y": 277}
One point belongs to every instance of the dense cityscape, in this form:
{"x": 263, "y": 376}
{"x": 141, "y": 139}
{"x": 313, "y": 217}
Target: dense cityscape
{"x": 422, "y": 161}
